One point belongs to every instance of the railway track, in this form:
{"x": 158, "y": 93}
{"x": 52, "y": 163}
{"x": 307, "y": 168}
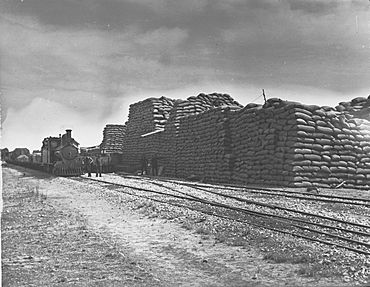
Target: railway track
{"x": 344, "y": 234}
{"x": 273, "y": 192}
{"x": 257, "y": 203}
{"x": 293, "y": 194}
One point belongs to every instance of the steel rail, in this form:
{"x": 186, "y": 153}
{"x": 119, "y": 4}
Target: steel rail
{"x": 243, "y": 210}
{"x": 292, "y": 210}
{"x": 270, "y": 191}
{"x": 292, "y": 219}
{"x": 242, "y": 187}
{"x": 283, "y": 208}
{"x": 237, "y": 209}
{"x": 262, "y": 214}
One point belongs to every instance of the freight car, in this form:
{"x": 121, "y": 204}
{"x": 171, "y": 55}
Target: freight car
{"x": 60, "y": 156}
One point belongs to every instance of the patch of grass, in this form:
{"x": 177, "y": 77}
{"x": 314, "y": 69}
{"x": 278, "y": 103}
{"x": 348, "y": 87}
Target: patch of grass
{"x": 153, "y": 215}
{"x": 238, "y": 241}
{"x": 187, "y": 225}
{"x": 144, "y": 204}
{"x": 277, "y": 257}
{"x": 309, "y": 270}
{"x": 220, "y": 238}
{"x": 286, "y": 257}
{"x": 202, "y": 230}
{"x": 169, "y": 216}
{"x": 205, "y": 237}
{"x": 317, "y": 269}
{"x": 82, "y": 227}
{"x": 141, "y": 205}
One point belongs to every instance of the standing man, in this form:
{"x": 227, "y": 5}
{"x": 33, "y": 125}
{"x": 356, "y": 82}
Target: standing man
{"x": 99, "y": 165}
{"x": 88, "y": 165}
{"x": 154, "y": 163}
{"x": 144, "y": 165}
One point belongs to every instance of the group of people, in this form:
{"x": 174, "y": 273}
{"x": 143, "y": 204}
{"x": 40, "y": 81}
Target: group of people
{"x": 96, "y": 164}
{"x": 151, "y": 165}
{"x": 89, "y": 163}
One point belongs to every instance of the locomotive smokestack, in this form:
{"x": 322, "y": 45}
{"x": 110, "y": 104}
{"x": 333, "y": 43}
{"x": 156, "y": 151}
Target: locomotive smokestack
{"x": 69, "y": 134}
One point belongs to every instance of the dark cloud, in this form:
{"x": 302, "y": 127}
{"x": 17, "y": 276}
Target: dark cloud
{"x": 80, "y": 13}
{"x": 254, "y": 37}
{"x": 314, "y": 7}
{"x": 93, "y": 57}
{"x": 322, "y": 7}
{"x": 54, "y": 12}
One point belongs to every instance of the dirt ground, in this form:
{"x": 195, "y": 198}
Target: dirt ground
{"x": 62, "y": 232}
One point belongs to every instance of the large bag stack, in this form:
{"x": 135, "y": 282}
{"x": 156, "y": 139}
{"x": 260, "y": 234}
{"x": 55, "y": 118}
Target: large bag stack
{"x": 144, "y": 117}
{"x": 113, "y": 138}
{"x": 332, "y": 147}
{"x": 204, "y": 146}
{"x": 287, "y": 143}
{"x": 261, "y": 140}
{"x": 278, "y": 143}
{"x": 182, "y": 109}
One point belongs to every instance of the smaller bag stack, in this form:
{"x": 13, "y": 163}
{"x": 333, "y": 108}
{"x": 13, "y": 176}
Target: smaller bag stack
{"x": 113, "y": 136}
{"x": 145, "y": 117}
{"x": 149, "y": 115}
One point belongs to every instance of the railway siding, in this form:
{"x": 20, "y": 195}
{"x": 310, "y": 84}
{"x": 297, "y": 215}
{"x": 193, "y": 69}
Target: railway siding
{"x": 269, "y": 220}
{"x": 240, "y": 233}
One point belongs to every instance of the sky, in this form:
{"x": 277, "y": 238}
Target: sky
{"x": 79, "y": 64}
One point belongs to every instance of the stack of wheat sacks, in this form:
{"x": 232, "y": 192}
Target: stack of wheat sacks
{"x": 173, "y": 145}
{"x": 261, "y": 138}
{"x": 113, "y": 136}
{"x": 359, "y": 107}
{"x": 287, "y": 143}
{"x": 204, "y": 147}
{"x": 332, "y": 147}
{"x": 279, "y": 143}
{"x": 144, "y": 117}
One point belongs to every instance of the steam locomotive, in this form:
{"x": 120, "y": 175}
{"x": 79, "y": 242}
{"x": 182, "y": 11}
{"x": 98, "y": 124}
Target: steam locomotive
{"x": 60, "y": 156}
